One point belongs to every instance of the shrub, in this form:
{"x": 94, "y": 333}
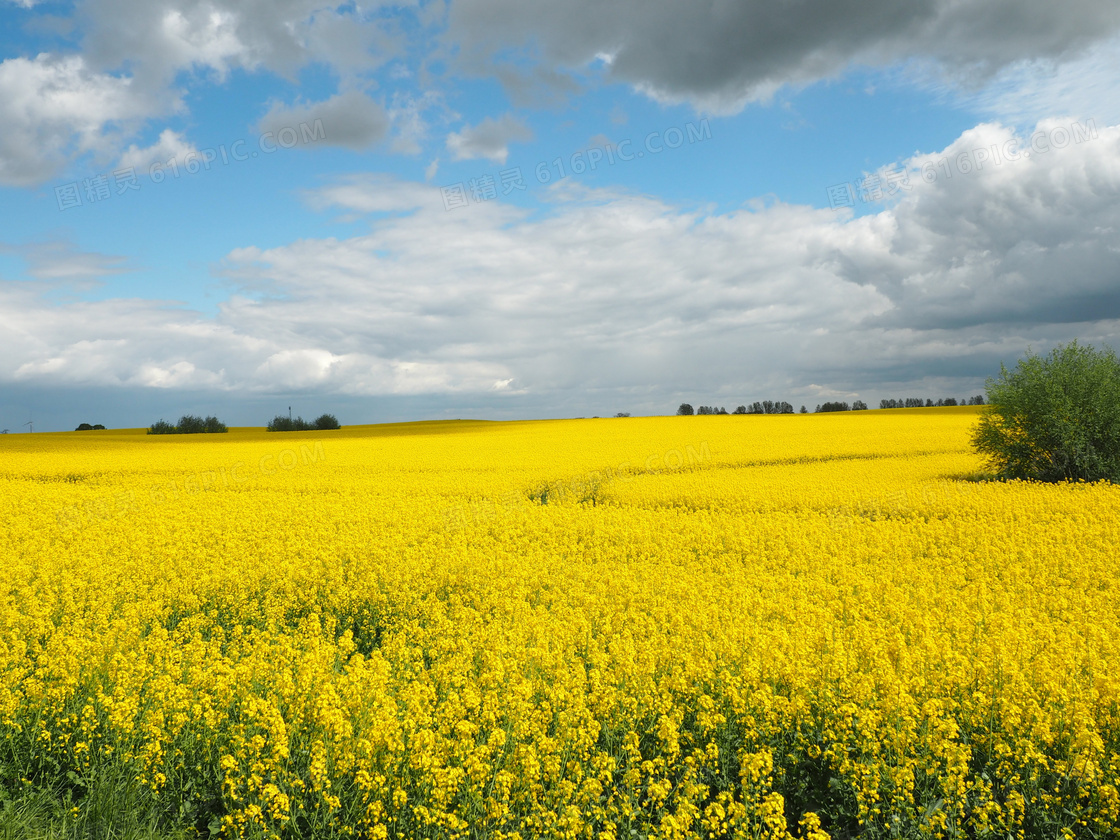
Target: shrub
{"x": 280, "y": 423}
{"x": 1055, "y": 417}
{"x": 189, "y": 425}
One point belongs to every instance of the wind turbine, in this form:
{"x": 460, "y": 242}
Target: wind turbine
{"x": 30, "y": 427}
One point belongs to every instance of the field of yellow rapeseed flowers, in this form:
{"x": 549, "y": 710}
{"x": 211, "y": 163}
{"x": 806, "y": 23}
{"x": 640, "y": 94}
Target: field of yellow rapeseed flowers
{"x": 750, "y": 627}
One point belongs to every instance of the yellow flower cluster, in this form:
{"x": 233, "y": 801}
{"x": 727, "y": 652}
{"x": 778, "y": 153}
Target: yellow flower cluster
{"x": 744, "y": 627}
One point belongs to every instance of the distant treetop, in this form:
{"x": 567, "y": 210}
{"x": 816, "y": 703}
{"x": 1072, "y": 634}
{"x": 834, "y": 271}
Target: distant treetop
{"x": 189, "y": 424}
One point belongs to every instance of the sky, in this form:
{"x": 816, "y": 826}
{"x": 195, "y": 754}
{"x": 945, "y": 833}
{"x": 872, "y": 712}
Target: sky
{"x": 510, "y": 209}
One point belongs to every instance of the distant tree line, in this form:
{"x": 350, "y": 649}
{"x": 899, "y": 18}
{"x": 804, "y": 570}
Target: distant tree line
{"x": 765, "y": 407}
{"x": 324, "y": 422}
{"x": 918, "y": 402}
{"x": 782, "y": 407}
{"x": 858, "y": 405}
{"x": 189, "y": 425}
{"x": 86, "y": 427}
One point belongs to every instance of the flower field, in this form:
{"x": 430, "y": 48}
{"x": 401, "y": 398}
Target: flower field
{"x": 751, "y": 627}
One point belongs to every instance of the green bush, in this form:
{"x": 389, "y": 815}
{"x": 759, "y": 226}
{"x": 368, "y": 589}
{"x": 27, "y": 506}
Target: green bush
{"x": 189, "y": 425}
{"x": 325, "y": 422}
{"x": 286, "y": 424}
{"x": 1055, "y": 417}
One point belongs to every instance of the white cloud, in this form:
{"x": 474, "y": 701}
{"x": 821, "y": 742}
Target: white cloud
{"x": 615, "y": 294}
{"x": 412, "y": 117}
{"x": 218, "y": 36}
{"x": 55, "y": 107}
{"x": 721, "y": 55}
{"x": 489, "y": 139}
{"x": 170, "y": 145}
{"x": 134, "y": 54}
{"x": 61, "y": 260}
{"x": 1080, "y": 88}
{"x": 349, "y": 119}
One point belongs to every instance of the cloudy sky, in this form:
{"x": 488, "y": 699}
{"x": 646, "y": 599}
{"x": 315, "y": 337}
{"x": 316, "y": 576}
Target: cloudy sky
{"x": 502, "y": 208}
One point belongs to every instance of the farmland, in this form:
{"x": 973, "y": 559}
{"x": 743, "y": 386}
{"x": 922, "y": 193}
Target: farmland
{"x": 759, "y": 627}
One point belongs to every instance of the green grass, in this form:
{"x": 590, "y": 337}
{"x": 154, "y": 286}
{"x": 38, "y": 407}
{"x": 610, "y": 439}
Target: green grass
{"x": 110, "y": 809}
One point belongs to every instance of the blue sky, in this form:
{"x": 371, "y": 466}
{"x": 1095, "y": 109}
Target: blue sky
{"x": 390, "y": 212}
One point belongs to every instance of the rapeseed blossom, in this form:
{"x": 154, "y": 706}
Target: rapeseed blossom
{"x": 743, "y": 627}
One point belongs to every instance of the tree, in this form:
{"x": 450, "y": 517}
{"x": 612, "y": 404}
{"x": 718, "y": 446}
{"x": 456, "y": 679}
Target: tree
{"x": 280, "y": 423}
{"x": 742, "y": 409}
{"x": 804, "y": 410}
{"x": 1055, "y": 417}
{"x": 685, "y": 410}
{"x": 328, "y": 422}
{"x": 859, "y": 405}
{"x": 188, "y": 425}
